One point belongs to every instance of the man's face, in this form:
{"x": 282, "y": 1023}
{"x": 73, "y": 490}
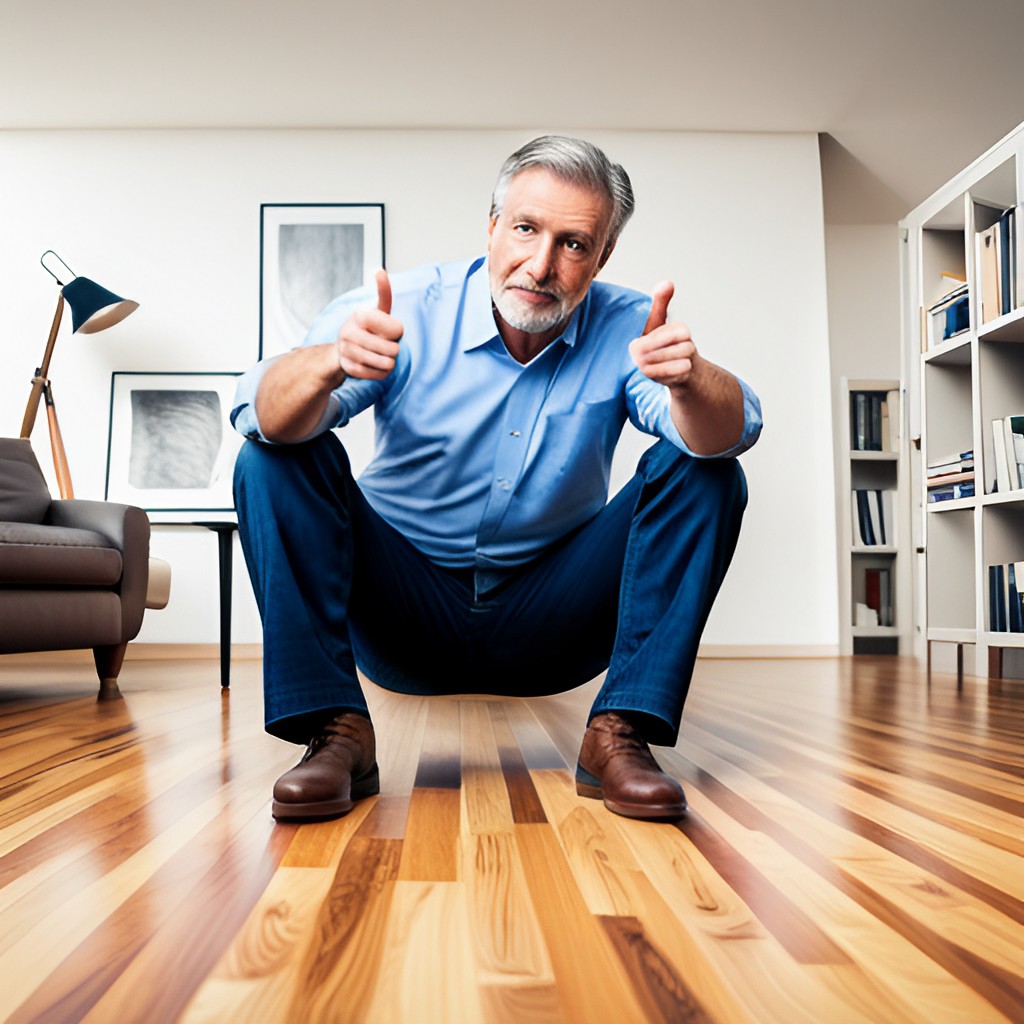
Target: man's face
{"x": 546, "y": 246}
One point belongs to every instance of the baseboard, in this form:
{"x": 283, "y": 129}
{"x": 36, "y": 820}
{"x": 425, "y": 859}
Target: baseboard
{"x": 191, "y": 652}
{"x": 254, "y": 652}
{"x": 145, "y": 652}
{"x": 722, "y": 651}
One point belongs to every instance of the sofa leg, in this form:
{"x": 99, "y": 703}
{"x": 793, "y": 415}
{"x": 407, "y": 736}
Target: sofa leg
{"x": 108, "y": 666}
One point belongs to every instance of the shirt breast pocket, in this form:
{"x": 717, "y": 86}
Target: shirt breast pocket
{"x": 580, "y": 444}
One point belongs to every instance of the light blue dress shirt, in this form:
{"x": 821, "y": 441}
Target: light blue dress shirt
{"x": 479, "y": 460}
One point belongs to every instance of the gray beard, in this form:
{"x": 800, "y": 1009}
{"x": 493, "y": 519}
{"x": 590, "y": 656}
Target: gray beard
{"x": 529, "y": 320}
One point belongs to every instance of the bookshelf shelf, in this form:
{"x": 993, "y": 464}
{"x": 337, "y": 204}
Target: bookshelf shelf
{"x": 891, "y": 632}
{"x": 1009, "y": 327}
{"x": 937, "y": 508}
{"x": 953, "y": 636}
{"x": 1005, "y": 640}
{"x": 1011, "y": 499}
{"x": 874, "y": 456}
{"x": 955, "y": 352}
{"x": 963, "y": 359}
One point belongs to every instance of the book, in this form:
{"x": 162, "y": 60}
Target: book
{"x": 873, "y": 591}
{"x": 957, "y": 318}
{"x": 1004, "y": 254}
{"x": 1001, "y": 464}
{"x": 953, "y": 463}
{"x": 955, "y": 477}
{"x": 996, "y": 600}
{"x": 874, "y": 422}
{"x": 945, "y": 468}
{"x": 988, "y": 268}
{"x": 955, "y": 288}
{"x": 1018, "y": 596}
{"x": 864, "y": 616}
{"x": 951, "y": 493}
{"x": 875, "y": 513}
{"x": 862, "y": 518}
{"x": 885, "y": 616}
{"x": 1013, "y": 427}
{"x": 1014, "y": 618}
{"x": 859, "y": 426}
{"x": 891, "y": 421}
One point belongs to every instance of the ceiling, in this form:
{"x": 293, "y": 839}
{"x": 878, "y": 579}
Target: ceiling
{"x": 904, "y": 92}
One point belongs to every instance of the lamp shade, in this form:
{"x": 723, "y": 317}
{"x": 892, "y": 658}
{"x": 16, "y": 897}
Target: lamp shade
{"x": 93, "y": 308}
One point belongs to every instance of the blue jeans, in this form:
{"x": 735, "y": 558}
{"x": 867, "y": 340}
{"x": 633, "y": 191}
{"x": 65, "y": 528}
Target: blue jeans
{"x": 337, "y": 586}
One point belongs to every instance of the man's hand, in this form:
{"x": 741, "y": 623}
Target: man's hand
{"x": 706, "y": 401}
{"x": 368, "y": 340}
{"x": 665, "y": 352}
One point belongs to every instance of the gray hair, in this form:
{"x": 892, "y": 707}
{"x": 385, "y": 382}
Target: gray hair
{"x": 576, "y": 161}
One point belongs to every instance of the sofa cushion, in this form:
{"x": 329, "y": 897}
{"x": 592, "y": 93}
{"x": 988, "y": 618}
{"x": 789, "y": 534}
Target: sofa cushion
{"x": 46, "y": 556}
{"x": 24, "y": 496}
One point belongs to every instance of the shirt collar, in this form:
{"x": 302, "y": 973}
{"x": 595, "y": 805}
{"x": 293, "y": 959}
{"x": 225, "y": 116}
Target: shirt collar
{"x": 478, "y": 326}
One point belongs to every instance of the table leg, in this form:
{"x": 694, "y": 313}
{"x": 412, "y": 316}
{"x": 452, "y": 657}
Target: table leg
{"x": 225, "y": 551}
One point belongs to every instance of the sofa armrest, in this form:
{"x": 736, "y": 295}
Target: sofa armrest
{"x": 127, "y": 528}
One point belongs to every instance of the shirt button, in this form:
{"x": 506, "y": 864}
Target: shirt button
{"x": 504, "y": 483}
{"x": 514, "y": 433}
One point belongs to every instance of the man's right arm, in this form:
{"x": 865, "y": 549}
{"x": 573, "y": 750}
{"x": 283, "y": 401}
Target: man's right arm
{"x": 294, "y": 391}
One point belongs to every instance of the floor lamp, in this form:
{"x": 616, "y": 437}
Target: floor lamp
{"x": 93, "y": 309}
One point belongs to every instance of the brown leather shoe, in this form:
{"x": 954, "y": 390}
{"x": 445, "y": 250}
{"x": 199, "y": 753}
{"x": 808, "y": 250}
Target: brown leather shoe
{"x": 617, "y": 766}
{"x": 339, "y": 767}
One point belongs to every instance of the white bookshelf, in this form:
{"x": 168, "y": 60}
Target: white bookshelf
{"x": 956, "y": 388}
{"x": 873, "y": 472}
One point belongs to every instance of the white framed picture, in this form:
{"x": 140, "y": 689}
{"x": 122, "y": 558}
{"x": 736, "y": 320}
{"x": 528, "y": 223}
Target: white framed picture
{"x": 171, "y": 448}
{"x": 310, "y": 253}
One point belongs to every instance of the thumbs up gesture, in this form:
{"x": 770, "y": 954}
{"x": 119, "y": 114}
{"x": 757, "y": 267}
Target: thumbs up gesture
{"x": 665, "y": 352}
{"x": 368, "y": 340}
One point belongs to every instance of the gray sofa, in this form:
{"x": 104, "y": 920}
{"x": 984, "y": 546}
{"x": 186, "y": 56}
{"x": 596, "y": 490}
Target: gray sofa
{"x": 73, "y": 574}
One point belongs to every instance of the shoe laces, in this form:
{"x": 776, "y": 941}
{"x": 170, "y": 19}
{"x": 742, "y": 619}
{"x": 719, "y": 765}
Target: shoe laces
{"x": 623, "y": 735}
{"x": 341, "y": 730}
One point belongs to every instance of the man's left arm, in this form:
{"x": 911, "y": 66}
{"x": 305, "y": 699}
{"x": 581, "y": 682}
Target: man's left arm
{"x": 707, "y": 402}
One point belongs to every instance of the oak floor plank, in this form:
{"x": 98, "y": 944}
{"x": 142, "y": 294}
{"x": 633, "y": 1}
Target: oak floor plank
{"x": 256, "y": 978}
{"x": 508, "y": 942}
{"x": 338, "y": 977}
{"x": 485, "y": 798}
{"x": 428, "y": 988}
{"x": 589, "y": 978}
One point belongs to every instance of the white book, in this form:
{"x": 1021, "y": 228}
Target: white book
{"x": 892, "y": 404}
{"x": 1002, "y": 464}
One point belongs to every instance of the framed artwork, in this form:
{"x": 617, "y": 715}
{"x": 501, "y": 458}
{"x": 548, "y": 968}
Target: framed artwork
{"x": 171, "y": 448}
{"x": 311, "y": 253}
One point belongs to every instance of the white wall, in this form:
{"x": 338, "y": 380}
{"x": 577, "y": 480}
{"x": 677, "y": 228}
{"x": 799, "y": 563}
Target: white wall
{"x": 172, "y": 220}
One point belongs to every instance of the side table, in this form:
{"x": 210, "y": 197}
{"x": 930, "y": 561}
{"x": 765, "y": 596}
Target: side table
{"x": 224, "y": 530}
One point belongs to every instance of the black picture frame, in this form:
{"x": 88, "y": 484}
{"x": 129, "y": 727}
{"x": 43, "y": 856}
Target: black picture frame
{"x": 309, "y": 254}
{"x": 171, "y": 448}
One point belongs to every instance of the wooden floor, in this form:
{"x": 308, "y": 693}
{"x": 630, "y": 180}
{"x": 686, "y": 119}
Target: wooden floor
{"x": 853, "y": 853}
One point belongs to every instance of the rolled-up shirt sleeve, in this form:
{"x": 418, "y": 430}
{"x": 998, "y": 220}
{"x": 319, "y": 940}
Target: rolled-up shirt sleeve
{"x": 649, "y": 410}
{"x": 350, "y": 398}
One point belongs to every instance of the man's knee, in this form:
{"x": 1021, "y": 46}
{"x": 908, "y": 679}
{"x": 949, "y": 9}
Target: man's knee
{"x": 719, "y": 483}
{"x": 260, "y": 464}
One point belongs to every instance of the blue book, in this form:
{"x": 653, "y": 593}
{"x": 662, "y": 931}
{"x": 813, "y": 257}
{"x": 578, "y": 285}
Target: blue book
{"x": 957, "y": 318}
{"x": 1015, "y": 616}
{"x": 1005, "y": 262}
{"x": 996, "y": 599}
